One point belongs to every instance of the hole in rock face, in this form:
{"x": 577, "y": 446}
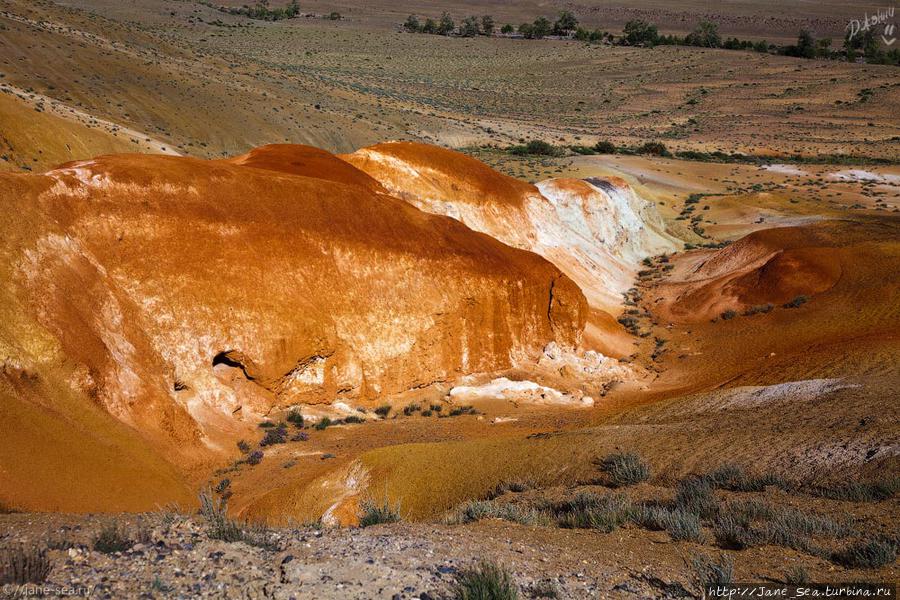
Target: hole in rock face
{"x": 232, "y": 358}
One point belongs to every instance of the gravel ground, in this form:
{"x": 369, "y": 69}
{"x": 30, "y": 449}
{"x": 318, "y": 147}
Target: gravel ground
{"x": 173, "y": 557}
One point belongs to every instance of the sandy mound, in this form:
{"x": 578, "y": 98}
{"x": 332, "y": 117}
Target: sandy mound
{"x": 187, "y": 298}
{"x": 772, "y": 266}
{"x": 296, "y": 159}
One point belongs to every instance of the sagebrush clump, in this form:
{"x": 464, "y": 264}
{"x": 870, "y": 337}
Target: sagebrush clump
{"x": 624, "y": 468}
{"x": 20, "y": 565}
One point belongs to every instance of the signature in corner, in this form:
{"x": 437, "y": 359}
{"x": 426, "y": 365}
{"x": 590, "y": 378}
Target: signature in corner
{"x": 868, "y": 22}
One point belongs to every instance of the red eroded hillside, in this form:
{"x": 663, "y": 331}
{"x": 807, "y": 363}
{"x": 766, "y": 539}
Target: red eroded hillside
{"x": 178, "y": 301}
{"x": 596, "y": 231}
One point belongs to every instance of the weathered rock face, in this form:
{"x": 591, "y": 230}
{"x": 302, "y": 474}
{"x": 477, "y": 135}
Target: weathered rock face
{"x": 596, "y": 231}
{"x": 186, "y": 297}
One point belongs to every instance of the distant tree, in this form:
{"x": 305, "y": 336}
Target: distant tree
{"x": 640, "y": 33}
{"x": 527, "y": 29}
{"x": 412, "y": 24}
{"x": 293, "y": 9}
{"x": 806, "y": 45}
{"x": 565, "y": 24}
{"x": 761, "y": 46}
{"x": 541, "y": 28}
{"x": 487, "y": 25}
{"x": 446, "y": 25}
{"x": 654, "y": 148}
{"x": 804, "y": 48}
{"x": 862, "y": 43}
{"x": 705, "y": 35}
{"x": 430, "y": 26}
{"x": 335, "y": 16}
{"x": 470, "y": 27}
{"x": 507, "y": 29}
{"x": 823, "y": 47}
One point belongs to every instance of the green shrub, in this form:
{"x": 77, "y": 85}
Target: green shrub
{"x": 604, "y": 147}
{"x": 733, "y": 533}
{"x": 383, "y": 411}
{"x": 536, "y": 148}
{"x": 758, "y": 309}
{"x": 654, "y": 149}
{"x": 295, "y": 418}
{"x": 796, "y": 302}
{"x": 410, "y": 409}
{"x": 869, "y": 554}
{"x": 275, "y": 435}
{"x": 654, "y": 518}
{"x": 709, "y": 573}
{"x": 477, "y": 510}
{"x": 748, "y": 510}
{"x": 860, "y": 491}
{"x": 374, "y": 514}
{"x": 544, "y": 589}
{"x": 111, "y": 539}
{"x": 728, "y": 315}
{"x": 589, "y": 511}
{"x": 624, "y": 468}
{"x": 583, "y": 150}
{"x": 484, "y": 581}
{"x": 683, "y": 526}
{"x": 695, "y": 495}
{"x": 733, "y": 477}
{"x": 323, "y": 423}
{"x": 19, "y": 566}
{"x": 679, "y": 524}
{"x": 796, "y": 576}
{"x": 802, "y": 523}
{"x": 220, "y": 527}
{"x": 462, "y": 410}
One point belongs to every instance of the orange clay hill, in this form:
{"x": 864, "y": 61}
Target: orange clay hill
{"x": 596, "y": 230}
{"x": 781, "y": 304}
{"x": 154, "y": 309}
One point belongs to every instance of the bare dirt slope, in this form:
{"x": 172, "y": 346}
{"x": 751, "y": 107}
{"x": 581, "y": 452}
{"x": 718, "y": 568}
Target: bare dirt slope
{"x": 38, "y": 133}
{"x": 230, "y": 83}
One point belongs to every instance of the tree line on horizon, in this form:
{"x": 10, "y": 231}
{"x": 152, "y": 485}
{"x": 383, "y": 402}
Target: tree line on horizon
{"x": 643, "y": 34}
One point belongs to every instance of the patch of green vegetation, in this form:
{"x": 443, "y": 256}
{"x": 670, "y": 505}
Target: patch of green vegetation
{"x": 711, "y": 573}
{"x": 376, "y": 514}
{"x": 19, "y": 565}
{"x": 295, "y": 418}
{"x": 869, "y": 554}
{"x": 624, "y": 468}
{"x": 221, "y": 527}
{"x": 259, "y": 11}
{"x": 484, "y": 581}
{"x": 111, "y": 539}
